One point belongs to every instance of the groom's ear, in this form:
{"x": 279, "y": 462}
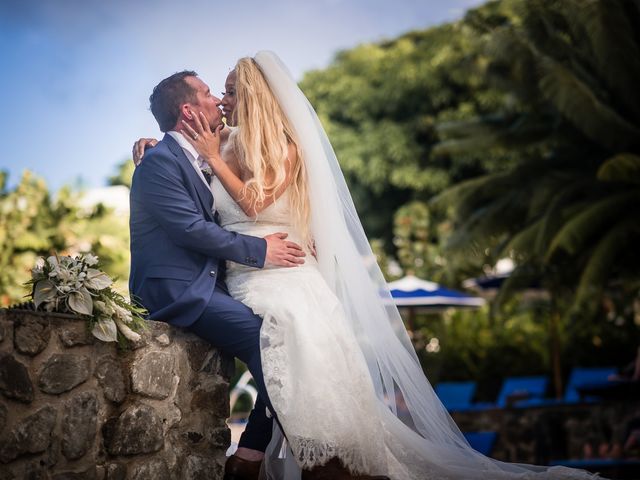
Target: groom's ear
{"x": 186, "y": 111}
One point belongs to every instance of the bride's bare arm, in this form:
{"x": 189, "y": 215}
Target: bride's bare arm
{"x": 137, "y": 152}
{"x": 141, "y": 145}
{"x": 208, "y": 145}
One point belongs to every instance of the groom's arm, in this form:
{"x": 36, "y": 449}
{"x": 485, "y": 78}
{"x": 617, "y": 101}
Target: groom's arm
{"x": 159, "y": 186}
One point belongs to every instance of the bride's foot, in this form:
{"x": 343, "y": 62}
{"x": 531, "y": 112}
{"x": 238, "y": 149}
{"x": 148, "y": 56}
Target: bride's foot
{"x": 333, "y": 470}
{"x": 237, "y": 468}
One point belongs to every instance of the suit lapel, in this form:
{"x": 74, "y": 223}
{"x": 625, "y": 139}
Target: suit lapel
{"x": 204, "y": 194}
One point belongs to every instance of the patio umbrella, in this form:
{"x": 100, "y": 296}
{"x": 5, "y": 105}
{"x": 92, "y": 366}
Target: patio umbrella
{"x": 413, "y": 293}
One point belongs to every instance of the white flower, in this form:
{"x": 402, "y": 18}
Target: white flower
{"x": 65, "y": 275}
{"x": 90, "y": 259}
{"x": 121, "y": 313}
{"x": 126, "y": 331}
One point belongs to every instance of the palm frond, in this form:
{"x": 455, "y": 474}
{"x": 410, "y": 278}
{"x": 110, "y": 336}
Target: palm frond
{"x": 624, "y": 167}
{"x": 601, "y": 260}
{"x": 616, "y": 49}
{"x": 578, "y": 103}
{"x": 584, "y": 225}
{"x": 556, "y": 214}
{"x": 523, "y": 241}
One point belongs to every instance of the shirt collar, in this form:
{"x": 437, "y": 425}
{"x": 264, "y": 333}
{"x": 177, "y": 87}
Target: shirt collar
{"x": 185, "y": 145}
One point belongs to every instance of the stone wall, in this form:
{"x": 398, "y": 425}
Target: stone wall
{"x": 73, "y": 407}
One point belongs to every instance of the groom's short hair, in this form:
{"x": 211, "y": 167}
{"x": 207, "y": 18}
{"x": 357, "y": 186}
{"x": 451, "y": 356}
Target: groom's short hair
{"x": 168, "y": 96}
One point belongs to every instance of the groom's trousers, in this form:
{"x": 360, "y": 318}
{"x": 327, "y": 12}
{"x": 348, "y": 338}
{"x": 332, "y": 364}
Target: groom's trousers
{"x": 233, "y": 328}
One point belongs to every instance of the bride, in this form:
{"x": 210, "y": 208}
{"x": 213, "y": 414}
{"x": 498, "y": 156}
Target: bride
{"x": 336, "y": 358}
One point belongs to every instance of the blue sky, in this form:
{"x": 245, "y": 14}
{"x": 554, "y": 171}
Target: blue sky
{"x": 77, "y": 74}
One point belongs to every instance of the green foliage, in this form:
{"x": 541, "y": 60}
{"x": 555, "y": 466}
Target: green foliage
{"x": 33, "y": 223}
{"x": 512, "y": 133}
{"x": 124, "y": 174}
{"x": 380, "y": 104}
{"x": 570, "y": 201}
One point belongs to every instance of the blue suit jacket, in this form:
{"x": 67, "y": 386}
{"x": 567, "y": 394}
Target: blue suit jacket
{"x": 176, "y": 245}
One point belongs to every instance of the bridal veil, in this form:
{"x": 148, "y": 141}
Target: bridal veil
{"x": 420, "y": 433}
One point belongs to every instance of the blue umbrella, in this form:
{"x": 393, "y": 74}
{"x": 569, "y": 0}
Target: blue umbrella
{"x": 411, "y": 291}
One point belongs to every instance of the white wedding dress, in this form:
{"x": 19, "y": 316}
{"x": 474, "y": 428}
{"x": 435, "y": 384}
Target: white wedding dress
{"x": 315, "y": 372}
{"x": 338, "y": 365}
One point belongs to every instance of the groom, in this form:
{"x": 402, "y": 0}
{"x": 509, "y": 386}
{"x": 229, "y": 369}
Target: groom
{"x": 178, "y": 251}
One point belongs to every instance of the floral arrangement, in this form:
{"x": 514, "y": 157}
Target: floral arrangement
{"x": 76, "y": 285}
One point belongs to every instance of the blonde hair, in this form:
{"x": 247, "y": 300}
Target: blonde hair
{"x": 261, "y": 144}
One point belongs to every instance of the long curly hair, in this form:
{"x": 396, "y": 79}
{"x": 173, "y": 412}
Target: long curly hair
{"x": 261, "y": 144}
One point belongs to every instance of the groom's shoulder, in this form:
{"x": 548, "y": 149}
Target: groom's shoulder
{"x": 161, "y": 153}
{"x": 156, "y": 159}
{"x": 160, "y": 150}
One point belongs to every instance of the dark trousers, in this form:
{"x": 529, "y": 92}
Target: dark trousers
{"x": 233, "y": 328}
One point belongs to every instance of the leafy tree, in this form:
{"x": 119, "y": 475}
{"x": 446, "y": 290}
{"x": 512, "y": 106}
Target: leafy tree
{"x": 34, "y": 224}
{"x": 567, "y": 210}
{"x": 380, "y": 104}
{"x": 123, "y": 175}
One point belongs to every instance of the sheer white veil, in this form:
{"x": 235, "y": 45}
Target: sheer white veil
{"x": 349, "y": 267}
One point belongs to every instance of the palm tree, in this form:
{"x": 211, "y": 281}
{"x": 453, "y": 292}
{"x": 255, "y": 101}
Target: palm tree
{"x": 568, "y": 212}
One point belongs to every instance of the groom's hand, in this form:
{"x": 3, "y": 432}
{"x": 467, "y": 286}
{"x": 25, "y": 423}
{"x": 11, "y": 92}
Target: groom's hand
{"x": 283, "y": 253}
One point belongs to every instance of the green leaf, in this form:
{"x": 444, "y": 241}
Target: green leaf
{"x": 624, "y": 167}
{"x": 602, "y": 260}
{"x": 579, "y": 229}
{"x": 80, "y": 301}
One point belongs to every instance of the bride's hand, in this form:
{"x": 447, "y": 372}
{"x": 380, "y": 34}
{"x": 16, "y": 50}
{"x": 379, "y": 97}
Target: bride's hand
{"x": 205, "y": 141}
{"x": 139, "y": 147}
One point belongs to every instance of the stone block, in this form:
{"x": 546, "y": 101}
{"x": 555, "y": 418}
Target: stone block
{"x": 221, "y": 437}
{"x": 73, "y": 334}
{"x": 63, "y": 372}
{"x": 35, "y": 471}
{"x": 152, "y": 375}
{"x": 79, "y": 425}
{"x": 89, "y": 474}
{"x": 116, "y": 471}
{"x": 155, "y": 469}
{"x": 195, "y": 467}
{"x": 197, "y": 354}
{"x": 15, "y": 382}
{"x": 137, "y": 430}
{"x": 213, "y": 399}
{"x": 112, "y": 379}
{"x": 7, "y": 473}
{"x": 163, "y": 340}
{"x": 3, "y": 417}
{"x": 31, "y": 334}
{"x": 31, "y": 435}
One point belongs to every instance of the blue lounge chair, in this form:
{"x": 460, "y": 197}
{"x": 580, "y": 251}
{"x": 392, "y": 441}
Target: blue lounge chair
{"x": 581, "y": 377}
{"x": 456, "y": 396}
{"x": 482, "y": 442}
{"x": 523, "y": 391}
